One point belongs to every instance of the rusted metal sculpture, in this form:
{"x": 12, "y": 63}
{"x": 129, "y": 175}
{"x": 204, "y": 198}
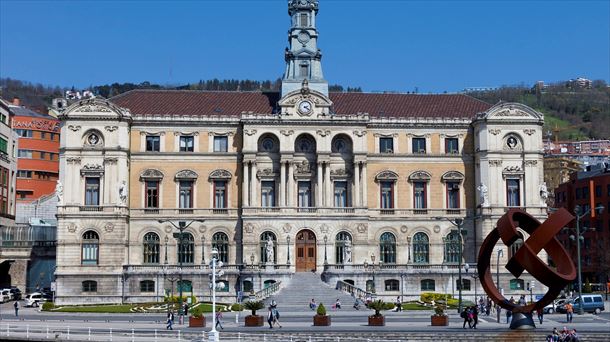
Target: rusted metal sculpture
{"x": 542, "y": 236}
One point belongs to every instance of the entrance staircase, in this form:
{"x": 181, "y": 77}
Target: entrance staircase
{"x": 302, "y": 287}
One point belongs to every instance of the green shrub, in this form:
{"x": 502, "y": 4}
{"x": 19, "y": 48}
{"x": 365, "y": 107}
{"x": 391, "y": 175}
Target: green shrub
{"x": 196, "y": 311}
{"x": 428, "y": 297}
{"x": 48, "y": 306}
{"x": 439, "y": 310}
{"x": 321, "y": 310}
{"x": 254, "y": 305}
{"x": 379, "y": 305}
{"x": 176, "y": 299}
{"x": 237, "y": 307}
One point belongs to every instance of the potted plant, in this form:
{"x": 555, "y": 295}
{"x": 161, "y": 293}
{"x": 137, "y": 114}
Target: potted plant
{"x": 321, "y": 319}
{"x": 378, "y": 319}
{"x": 439, "y": 318}
{"x": 254, "y": 320}
{"x": 196, "y": 319}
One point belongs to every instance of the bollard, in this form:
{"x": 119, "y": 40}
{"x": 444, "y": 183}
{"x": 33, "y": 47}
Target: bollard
{"x": 178, "y": 335}
{"x": 27, "y": 331}
{"x": 7, "y": 330}
{"x": 89, "y": 335}
{"x": 132, "y": 336}
{"x": 238, "y": 336}
{"x": 110, "y": 334}
{"x": 155, "y": 334}
{"x": 236, "y": 318}
{"x": 68, "y": 333}
{"x": 47, "y": 332}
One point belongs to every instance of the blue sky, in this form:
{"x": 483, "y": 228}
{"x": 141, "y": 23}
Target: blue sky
{"x": 395, "y": 45}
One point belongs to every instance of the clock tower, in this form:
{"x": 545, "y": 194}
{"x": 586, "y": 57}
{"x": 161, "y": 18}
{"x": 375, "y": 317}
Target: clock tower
{"x": 303, "y": 58}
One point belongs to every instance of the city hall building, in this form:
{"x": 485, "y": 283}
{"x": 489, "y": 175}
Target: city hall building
{"x": 365, "y": 188}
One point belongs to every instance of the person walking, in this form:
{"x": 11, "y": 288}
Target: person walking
{"x": 509, "y": 314}
{"x": 540, "y": 314}
{"x": 357, "y": 304}
{"x": 465, "y": 314}
{"x": 398, "y": 304}
{"x": 475, "y": 316}
{"x": 170, "y": 321}
{"x": 569, "y": 312}
{"x": 312, "y": 304}
{"x": 270, "y": 317}
{"x": 337, "y": 304}
{"x": 16, "y": 305}
{"x": 276, "y": 316}
{"x": 218, "y": 319}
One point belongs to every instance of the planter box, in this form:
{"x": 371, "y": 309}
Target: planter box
{"x": 439, "y": 321}
{"x": 377, "y": 321}
{"x": 196, "y": 322}
{"x": 321, "y": 321}
{"x": 254, "y": 321}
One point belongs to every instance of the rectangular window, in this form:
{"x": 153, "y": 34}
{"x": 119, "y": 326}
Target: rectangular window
{"x": 453, "y": 195}
{"x": 43, "y": 135}
{"x": 187, "y": 143}
{"x": 598, "y": 191}
{"x": 304, "y": 70}
{"x": 186, "y": 194}
{"x": 221, "y": 144}
{"x": 304, "y": 194}
{"x": 24, "y": 153}
{"x": 3, "y": 145}
{"x": 89, "y": 286}
{"x": 513, "y": 193}
{"x": 43, "y": 155}
{"x": 24, "y": 174}
{"x": 419, "y": 195}
{"x": 419, "y": 145}
{"x": 451, "y": 146}
{"x": 578, "y": 193}
{"x": 303, "y": 20}
{"x": 152, "y": 194}
{"x": 147, "y": 286}
{"x": 341, "y": 194}
{"x": 52, "y": 136}
{"x": 585, "y": 192}
{"x": 153, "y": 143}
{"x": 24, "y": 133}
{"x": 220, "y": 194}
{"x": 92, "y": 191}
{"x": 268, "y": 194}
{"x": 387, "y": 195}
{"x": 386, "y": 145}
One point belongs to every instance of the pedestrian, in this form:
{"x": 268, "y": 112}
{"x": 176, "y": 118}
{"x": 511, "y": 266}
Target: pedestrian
{"x": 522, "y": 301}
{"x": 398, "y": 304}
{"x": 465, "y": 314}
{"x": 16, "y": 305}
{"x": 312, "y": 304}
{"x": 509, "y": 314}
{"x": 357, "y": 304}
{"x": 170, "y": 321}
{"x": 540, "y": 313}
{"x": 569, "y": 312}
{"x": 186, "y": 309}
{"x": 337, "y": 304}
{"x": 270, "y": 317}
{"x": 218, "y": 319}
{"x": 276, "y": 316}
{"x": 475, "y": 316}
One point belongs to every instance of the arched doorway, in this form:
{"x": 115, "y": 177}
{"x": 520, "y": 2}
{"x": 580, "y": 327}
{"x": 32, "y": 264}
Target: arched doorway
{"x": 306, "y": 251}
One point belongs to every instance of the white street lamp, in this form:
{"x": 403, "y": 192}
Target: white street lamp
{"x": 213, "y": 336}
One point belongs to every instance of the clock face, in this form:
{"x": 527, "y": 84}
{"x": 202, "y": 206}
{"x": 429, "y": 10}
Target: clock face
{"x": 305, "y": 107}
{"x": 303, "y": 37}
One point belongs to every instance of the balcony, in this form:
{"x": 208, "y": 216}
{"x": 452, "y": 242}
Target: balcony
{"x": 305, "y": 211}
{"x": 154, "y": 213}
{"x": 91, "y": 208}
{"x": 420, "y": 212}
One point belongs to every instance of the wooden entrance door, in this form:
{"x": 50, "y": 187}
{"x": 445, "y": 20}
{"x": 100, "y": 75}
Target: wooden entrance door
{"x": 306, "y": 251}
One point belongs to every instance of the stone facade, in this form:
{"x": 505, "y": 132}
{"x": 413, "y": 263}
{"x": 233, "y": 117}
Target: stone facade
{"x": 364, "y": 188}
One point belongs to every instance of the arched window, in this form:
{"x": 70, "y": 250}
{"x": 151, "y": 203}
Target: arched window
{"x": 186, "y": 251}
{"x": 342, "y": 240}
{"x": 265, "y": 236}
{"x": 305, "y": 143}
{"x": 268, "y": 143}
{"x": 387, "y": 248}
{"x": 392, "y": 285}
{"x": 341, "y": 144}
{"x": 466, "y": 283}
{"x": 516, "y": 284}
{"x": 147, "y": 286}
{"x": 186, "y": 285}
{"x": 220, "y": 241}
{"x": 151, "y": 248}
{"x": 268, "y": 283}
{"x": 421, "y": 248}
{"x": 90, "y": 248}
{"x": 452, "y": 247}
{"x": 349, "y": 281}
{"x": 370, "y": 286}
{"x": 248, "y": 286}
{"x": 428, "y": 285}
{"x": 89, "y": 286}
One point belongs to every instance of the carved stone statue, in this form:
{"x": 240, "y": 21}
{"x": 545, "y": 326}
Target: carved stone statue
{"x": 59, "y": 192}
{"x": 544, "y": 193}
{"x": 483, "y": 195}
{"x": 347, "y": 252}
{"x": 269, "y": 250}
{"x": 123, "y": 192}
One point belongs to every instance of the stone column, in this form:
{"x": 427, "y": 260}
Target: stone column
{"x": 290, "y": 184}
{"x": 254, "y": 192}
{"x": 327, "y": 185}
{"x": 282, "y": 184}
{"x": 364, "y": 186}
{"x": 319, "y": 187}
{"x": 246, "y": 185}
{"x": 356, "y": 184}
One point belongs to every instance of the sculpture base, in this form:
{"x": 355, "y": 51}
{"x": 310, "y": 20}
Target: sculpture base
{"x": 522, "y": 321}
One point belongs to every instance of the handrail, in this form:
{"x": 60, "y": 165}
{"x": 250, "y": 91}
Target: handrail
{"x": 353, "y": 290}
{"x": 268, "y": 291}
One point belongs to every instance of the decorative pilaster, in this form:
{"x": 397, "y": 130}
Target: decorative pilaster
{"x": 290, "y": 184}
{"x": 246, "y": 185}
{"x": 357, "y": 184}
{"x": 319, "y": 187}
{"x": 327, "y": 185}
{"x": 364, "y": 186}
{"x": 282, "y": 184}
{"x": 254, "y": 185}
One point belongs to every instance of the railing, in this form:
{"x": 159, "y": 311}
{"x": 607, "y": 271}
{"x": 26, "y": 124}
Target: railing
{"x": 304, "y": 210}
{"x": 75, "y": 208}
{"x": 391, "y": 268}
{"x": 182, "y": 211}
{"x": 176, "y": 269}
{"x": 431, "y": 212}
{"x": 353, "y": 290}
{"x": 91, "y": 208}
{"x": 268, "y": 291}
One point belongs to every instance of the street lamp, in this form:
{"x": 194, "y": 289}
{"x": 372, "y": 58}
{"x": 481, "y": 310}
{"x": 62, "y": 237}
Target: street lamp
{"x": 182, "y": 225}
{"x": 213, "y": 337}
{"x": 474, "y": 276}
{"x": 252, "y": 276}
{"x": 500, "y": 253}
{"x": 325, "y": 258}
{"x": 577, "y": 211}
{"x": 288, "y": 247}
{"x": 458, "y": 222}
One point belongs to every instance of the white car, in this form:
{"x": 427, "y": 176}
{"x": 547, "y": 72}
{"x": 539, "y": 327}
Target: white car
{"x": 34, "y": 299}
{"x": 5, "y": 295}
{"x": 552, "y": 308}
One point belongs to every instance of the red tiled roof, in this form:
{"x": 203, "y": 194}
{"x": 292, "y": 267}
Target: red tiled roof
{"x": 187, "y": 102}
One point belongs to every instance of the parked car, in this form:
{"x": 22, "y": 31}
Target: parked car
{"x": 4, "y": 297}
{"x": 6, "y": 293}
{"x": 16, "y": 293}
{"x": 593, "y": 303}
{"x": 35, "y": 299}
{"x": 552, "y": 308}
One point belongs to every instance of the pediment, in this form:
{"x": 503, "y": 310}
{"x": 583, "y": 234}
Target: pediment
{"x": 511, "y": 111}
{"x": 295, "y": 104}
{"x": 95, "y": 108}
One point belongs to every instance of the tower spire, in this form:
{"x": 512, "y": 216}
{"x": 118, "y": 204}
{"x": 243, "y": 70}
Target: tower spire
{"x": 303, "y": 58}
